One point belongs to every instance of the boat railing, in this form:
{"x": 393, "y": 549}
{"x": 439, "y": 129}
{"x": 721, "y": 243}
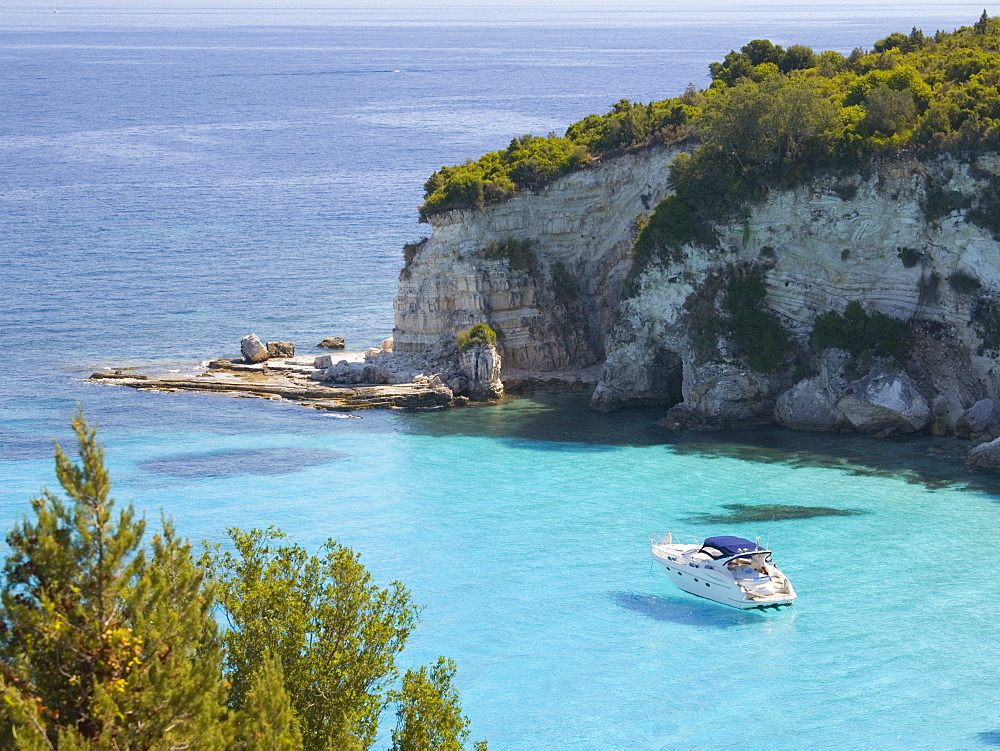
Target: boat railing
{"x": 671, "y": 539}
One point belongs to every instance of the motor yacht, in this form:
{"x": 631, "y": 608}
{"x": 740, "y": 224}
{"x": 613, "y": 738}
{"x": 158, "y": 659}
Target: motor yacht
{"x": 730, "y": 570}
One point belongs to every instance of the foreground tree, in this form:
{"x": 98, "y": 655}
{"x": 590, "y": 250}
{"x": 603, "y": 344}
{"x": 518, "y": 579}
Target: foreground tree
{"x": 268, "y": 720}
{"x": 110, "y": 644}
{"x": 334, "y": 631}
{"x": 103, "y": 643}
{"x": 428, "y": 714}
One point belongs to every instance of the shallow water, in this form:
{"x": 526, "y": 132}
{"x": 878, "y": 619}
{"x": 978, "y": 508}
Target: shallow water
{"x": 174, "y": 179}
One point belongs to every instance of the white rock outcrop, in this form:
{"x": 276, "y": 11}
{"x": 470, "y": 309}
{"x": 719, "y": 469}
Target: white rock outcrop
{"x": 552, "y": 310}
{"x": 821, "y": 246}
{"x": 253, "y": 349}
{"x": 480, "y": 366}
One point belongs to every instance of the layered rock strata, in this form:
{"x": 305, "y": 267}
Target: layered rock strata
{"x": 820, "y": 247}
{"x": 544, "y": 270}
{"x": 292, "y": 379}
{"x": 899, "y": 240}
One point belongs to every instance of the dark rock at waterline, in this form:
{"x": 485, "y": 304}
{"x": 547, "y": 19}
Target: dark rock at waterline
{"x": 985, "y": 456}
{"x": 332, "y": 342}
{"x": 885, "y": 403}
{"x": 741, "y": 512}
{"x": 280, "y": 349}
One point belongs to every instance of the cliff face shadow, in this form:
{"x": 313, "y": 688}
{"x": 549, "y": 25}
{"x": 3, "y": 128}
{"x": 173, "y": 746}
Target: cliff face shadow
{"x": 231, "y": 463}
{"x": 685, "y": 612}
{"x": 742, "y": 513}
{"x": 550, "y": 421}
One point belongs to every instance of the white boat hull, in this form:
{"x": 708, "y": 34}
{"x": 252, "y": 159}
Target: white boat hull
{"x": 712, "y": 583}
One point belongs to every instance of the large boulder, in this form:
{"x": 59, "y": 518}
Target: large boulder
{"x": 280, "y": 349}
{"x": 811, "y": 404}
{"x": 327, "y": 361}
{"x": 946, "y": 410}
{"x": 985, "y": 456}
{"x": 885, "y": 403}
{"x": 332, "y": 342}
{"x": 720, "y": 395}
{"x": 480, "y": 366}
{"x": 253, "y": 349}
{"x": 981, "y": 420}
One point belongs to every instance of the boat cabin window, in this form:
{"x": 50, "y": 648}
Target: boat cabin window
{"x": 747, "y": 566}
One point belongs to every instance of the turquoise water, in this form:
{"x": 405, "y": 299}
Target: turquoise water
{"x": 176, "y": 177}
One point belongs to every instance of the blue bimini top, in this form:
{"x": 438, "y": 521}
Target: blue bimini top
{"x": 723, "y": 547}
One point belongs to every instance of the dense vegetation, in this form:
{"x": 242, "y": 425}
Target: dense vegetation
{"x": 109, "y": 643}
{"x": 731, "y": 302}
{"x": 862, "y": 334}
{"x": 772, "y": 117}
{"x": 531, "y": 161}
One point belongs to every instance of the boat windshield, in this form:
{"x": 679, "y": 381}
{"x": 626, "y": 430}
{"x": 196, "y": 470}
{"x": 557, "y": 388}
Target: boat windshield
{"x": 749, "y": 564}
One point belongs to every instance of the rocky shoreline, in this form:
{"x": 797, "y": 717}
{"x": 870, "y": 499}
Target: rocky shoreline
{"x": 345, "y": 382}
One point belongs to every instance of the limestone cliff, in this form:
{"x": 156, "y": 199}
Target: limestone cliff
{"x": 547, "y": 271}
{"x": 544, "y": 270}
{"x": 821, "y": 246}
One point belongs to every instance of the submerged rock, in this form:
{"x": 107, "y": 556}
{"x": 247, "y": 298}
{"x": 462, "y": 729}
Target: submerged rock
{"x": 745, "y": 513}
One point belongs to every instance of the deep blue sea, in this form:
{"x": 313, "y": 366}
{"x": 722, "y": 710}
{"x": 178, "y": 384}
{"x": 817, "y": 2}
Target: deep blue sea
{"x": 173, "y": 177}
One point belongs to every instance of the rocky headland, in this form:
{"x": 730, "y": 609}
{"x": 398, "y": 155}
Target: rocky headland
{"x": 550, "y": 272}
{"x": 812, "y": 242}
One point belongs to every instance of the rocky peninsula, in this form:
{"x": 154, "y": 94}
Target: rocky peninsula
{"x": 837, "y": 273}
{"x": 834, "y": 269}
{"x": 345, "y": 382}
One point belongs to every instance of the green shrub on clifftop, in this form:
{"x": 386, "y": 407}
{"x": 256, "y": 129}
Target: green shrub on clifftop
{"x": 532, "y": 161}
{"x": 478, "y": 334}
{"x": 773, "y": 118}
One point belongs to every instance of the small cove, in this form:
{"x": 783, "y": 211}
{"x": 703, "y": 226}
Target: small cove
{"x": 177, "y": 180}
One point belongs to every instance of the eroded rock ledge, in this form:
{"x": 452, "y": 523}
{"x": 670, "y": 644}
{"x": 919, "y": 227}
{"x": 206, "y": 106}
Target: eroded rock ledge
{"x": 289, "y": 378}
{"x": 377, "y": 379}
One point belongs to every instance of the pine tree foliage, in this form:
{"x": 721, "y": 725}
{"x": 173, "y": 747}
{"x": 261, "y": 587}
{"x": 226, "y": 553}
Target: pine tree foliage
{"x": 109, "y": 643}
{"x": 268, "y": 721}
{"x": 335, "y": 632}
{"x": 429, "y": 714}
{"x": 103, "y": 643}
